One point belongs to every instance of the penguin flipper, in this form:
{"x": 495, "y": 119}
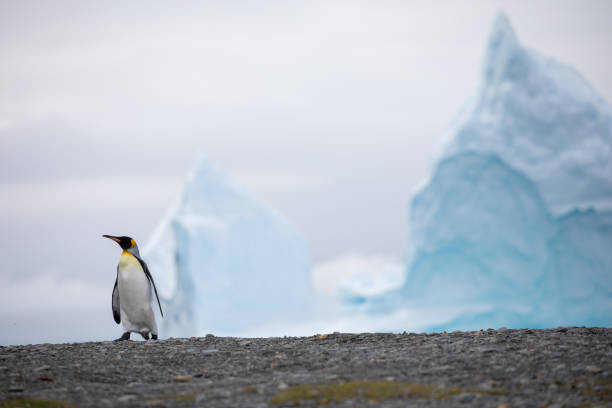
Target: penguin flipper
{"x": 145, "y": 268}
{"x": 116, "y": 313}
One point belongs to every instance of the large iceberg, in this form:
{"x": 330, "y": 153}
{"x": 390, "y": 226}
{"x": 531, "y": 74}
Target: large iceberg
{"x": 514, "y": 227}
{"x": 225, "y": 263}
{"x": 543, "y": 119}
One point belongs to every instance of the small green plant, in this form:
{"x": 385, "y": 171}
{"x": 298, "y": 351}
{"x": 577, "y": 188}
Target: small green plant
{"x": 375, "y": 391}
{"x": 176, "y": 397}
{"x": 33, "y": 403}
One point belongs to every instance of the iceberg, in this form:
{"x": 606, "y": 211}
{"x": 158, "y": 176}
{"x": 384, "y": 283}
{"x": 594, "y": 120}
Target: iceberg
{"x": 354, "y": 277}
{"x": 224, "y": 262}
{"x": 543, "y": 119}
{"x": 514, "y": 226}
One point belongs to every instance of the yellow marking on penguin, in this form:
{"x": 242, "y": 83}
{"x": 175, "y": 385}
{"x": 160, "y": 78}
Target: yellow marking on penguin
{"x": 133, "y": 243}
{"x": 127, "y": 258}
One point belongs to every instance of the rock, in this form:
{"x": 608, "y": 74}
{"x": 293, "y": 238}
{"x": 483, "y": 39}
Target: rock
{"x": 126, "y": 398}
{"x": 104, "y": 402}
{"x": 182, "y": 378}
{"x": 465, "y": 398}
{"x": 42, "y": 368}
{"x": 251, "y": 388}
{"x": 156, "y": 404}
{"x": 487, "y": 385}
{"x": 592, "y": 369}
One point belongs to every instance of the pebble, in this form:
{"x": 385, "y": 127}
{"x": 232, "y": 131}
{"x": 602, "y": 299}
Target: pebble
{"x": 126, "y": 398}
{"x": 104, "y": 402}
{"x": 156, "y": 404}
{"x": 42, "y": 368}
{"x": 593, "y": 369}
{"x": 465, "y": 398}
{"x": 485, "y": 385}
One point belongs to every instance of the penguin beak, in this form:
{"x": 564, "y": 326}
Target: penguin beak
{"x": 111, "y": 237}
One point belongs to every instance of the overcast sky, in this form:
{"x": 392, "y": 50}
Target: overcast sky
{"x": 329, "y": 111}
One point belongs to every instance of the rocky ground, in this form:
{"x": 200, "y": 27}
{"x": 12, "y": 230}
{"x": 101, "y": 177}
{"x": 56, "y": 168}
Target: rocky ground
{"x": 495, "y": 368}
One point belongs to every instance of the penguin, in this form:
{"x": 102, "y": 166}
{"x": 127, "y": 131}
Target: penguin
{"x": 131, "y": 298}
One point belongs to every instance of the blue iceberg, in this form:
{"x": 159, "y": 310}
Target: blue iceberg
{"x": 226, "y": 263}
{"x": 514, "y": 227}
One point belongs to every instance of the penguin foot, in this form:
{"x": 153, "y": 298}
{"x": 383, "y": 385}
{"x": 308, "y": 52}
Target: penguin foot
{"x": 154, "y": 337}
{"x": 126, "y": 336}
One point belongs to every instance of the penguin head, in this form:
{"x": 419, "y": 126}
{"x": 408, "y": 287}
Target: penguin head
{"x": 126, "y": 243}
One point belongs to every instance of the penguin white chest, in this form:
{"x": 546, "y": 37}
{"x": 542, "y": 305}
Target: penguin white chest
{"x": 135, "y": 296}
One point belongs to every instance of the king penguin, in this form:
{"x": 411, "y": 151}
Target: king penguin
{"x": 132, "y": 292}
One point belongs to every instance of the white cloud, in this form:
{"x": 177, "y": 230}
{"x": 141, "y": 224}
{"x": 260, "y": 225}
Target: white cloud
{"x": 274, "y": 181}
{"x": 49, "y": 293}
{"x": 358, "y": 275}
{"x": 49, "y": 308}
{"x": 81, "y": 195}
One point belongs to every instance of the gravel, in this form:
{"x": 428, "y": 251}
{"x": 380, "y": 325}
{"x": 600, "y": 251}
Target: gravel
{"x": 563, "y": 367}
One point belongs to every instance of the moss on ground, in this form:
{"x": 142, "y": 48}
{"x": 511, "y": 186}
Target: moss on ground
{"x": 176, "y": 397}
{"x": 600, "y": 389}
{"x": 324, "y": 394}
{"x": 33, "y": 403}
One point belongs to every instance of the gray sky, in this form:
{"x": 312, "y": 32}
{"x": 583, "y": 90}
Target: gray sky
{"x": 330, "y": 112}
